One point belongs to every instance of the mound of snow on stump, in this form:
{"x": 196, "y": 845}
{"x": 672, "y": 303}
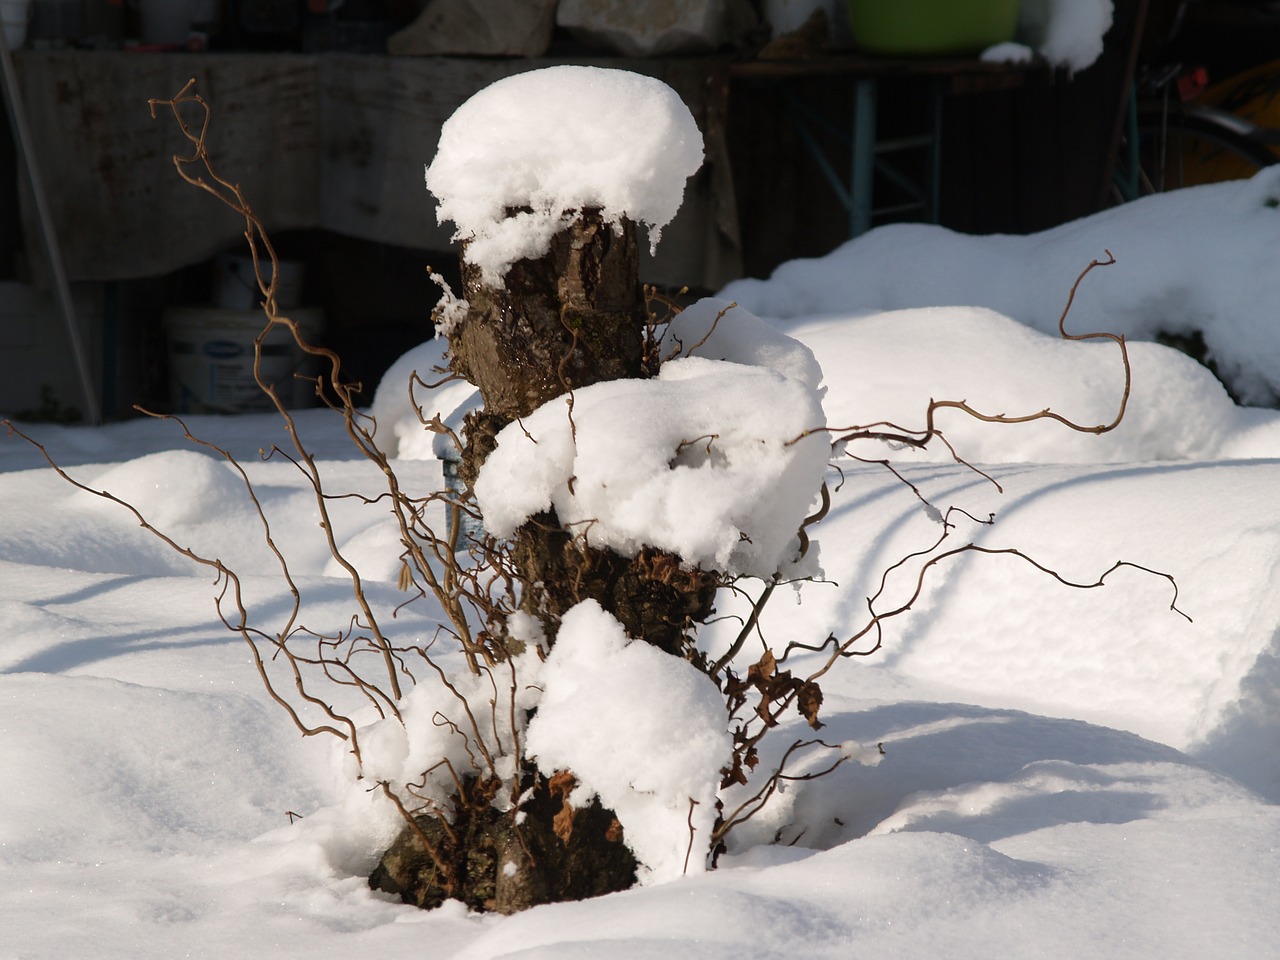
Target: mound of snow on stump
{"x": 643, "y": 730}
{"x": 709, "y": 460}
{"x": 520, "y": 159}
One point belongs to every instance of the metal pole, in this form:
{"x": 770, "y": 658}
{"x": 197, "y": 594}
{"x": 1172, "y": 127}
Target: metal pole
{"x": 53, "y": 252}
{"x": 933, "y": 199}
{"x": 862, "y": 173}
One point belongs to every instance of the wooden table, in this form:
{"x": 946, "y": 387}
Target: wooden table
{"x": 332, "y": 141}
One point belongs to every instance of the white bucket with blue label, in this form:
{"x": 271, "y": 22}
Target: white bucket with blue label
{"x": 211, "y": 355}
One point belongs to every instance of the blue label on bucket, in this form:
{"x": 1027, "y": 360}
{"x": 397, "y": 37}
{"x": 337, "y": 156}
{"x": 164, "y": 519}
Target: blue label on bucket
{"x": 223, "y": 349}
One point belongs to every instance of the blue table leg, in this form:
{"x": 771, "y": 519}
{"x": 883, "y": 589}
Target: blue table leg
{"x": 864, "y": 156}
{"x": 933, "y": 199}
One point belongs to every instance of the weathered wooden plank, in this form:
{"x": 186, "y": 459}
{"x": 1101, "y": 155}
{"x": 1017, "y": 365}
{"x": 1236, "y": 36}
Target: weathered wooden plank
{"x": 120, "y": 208}
{"x": 338, "y": 141}
{"x": 382, "y": 118}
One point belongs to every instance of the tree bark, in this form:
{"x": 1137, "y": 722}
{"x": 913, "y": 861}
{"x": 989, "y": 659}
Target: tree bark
{"x": 491, "y": 862}
{"x": 573, "y": 317}
{"x": 561, "y": 322}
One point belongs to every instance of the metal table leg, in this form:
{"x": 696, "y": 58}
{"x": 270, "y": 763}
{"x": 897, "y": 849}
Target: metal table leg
{"x": 862, "y": 174}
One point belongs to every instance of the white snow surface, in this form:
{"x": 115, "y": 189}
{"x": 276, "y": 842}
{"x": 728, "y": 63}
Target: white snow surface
{"x": 435, "y": 728}
{"x": 1008, "y": 52}
{"x": 551, "y": 142}
{"x": 1066, "y": 772}
{"x": 1200, "y": 261}
{"x": 414, "y": 390}
{"x": 722, "y": 330}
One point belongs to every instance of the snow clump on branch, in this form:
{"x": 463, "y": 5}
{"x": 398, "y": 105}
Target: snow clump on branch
{"x": 702, "y": 461}
{"x": 522, "y": 157}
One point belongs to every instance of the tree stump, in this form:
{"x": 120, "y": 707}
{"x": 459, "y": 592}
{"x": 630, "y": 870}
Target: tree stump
{"x": 573, "y": 317}
{"x": 491, "y": 862}
{"x": 570, "y": 318}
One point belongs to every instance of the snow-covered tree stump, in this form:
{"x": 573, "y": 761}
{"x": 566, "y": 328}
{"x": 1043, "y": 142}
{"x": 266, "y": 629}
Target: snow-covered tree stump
{"x": 628, "y": 486}
{"x": 553, "y": 296}
{"x": 553, "y": 303}
{"x": 570, "y": 318}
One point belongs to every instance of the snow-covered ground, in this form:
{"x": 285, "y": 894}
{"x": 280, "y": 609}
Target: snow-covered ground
{"x": 1066, "y": 772}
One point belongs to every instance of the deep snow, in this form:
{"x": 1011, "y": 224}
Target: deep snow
{"x": 1087, "y": 771}
{"x": 1066, "y": 772}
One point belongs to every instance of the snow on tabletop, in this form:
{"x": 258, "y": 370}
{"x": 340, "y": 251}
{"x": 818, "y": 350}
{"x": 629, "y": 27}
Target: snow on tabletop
{"x": 698, "y": 461}
{"x": 645, "y": 731}
{"x": 551, "y": 142}
{"x": 1008, "y": 53}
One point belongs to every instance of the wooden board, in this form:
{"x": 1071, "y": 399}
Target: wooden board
{"x": 337, "y": 141}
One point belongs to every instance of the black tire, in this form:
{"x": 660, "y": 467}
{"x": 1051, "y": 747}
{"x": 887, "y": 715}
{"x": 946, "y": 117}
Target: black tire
{"x": 1184, "y": 151}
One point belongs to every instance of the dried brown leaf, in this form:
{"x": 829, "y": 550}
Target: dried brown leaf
{"x": 562, "y": 822}
{"x": 763, "y": 670}
{"x": 809, "y": 702}
{"x": 561, "y": 784}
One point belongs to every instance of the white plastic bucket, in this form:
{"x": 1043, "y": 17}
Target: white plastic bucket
{"x": 236, "y": 287}
{"x": 14, "y": 16}
{"x": 211, "y": 352}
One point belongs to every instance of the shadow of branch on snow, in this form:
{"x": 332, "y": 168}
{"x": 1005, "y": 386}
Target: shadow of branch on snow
{"x": 981, "y": 773}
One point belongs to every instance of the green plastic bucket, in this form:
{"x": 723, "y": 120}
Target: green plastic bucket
{"x": 931, "y": 27}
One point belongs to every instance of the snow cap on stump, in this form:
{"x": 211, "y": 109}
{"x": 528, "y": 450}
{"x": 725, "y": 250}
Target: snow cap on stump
{"x": 522, "y": 157}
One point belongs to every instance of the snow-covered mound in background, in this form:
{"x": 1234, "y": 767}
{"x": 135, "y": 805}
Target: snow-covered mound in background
{"x": 889, "y": 365}
{"x": 1199, "y": 260}
{"x": 402, "y": 400}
